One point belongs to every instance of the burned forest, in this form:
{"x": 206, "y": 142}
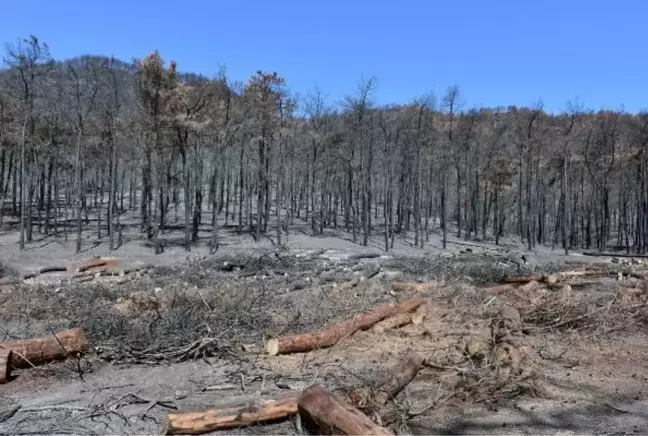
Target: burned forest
{"x": 95, "y": 137}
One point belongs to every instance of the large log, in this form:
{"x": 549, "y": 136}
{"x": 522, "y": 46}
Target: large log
{"x": 322, "y": 413}
{"x": 335, "y": 333}
{"x": 28, "y": 352}
{"x": 6, "y": 357}
{"x": 232, "y": 415}
{"x": 99, "y": 262}
{"x": 400, "y": 375}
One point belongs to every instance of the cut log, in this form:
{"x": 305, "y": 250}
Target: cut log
{"x": 321, "y": 413}
{"x": 28, "y": 352}
{"x": 6, "y": 363}
{"x": 96, "y": 263}
{"x": 401, "y": 319}
{"x": 232, "y": 415}
{"x": 335, "y": 333}
{"x": 414, "y": 286}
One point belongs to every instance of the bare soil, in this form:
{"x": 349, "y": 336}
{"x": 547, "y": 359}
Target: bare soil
{"x": 190, "y": 332}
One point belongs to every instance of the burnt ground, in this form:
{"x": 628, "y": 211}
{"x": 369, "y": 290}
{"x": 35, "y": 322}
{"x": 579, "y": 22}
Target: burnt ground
{"x": 190, "y": 332}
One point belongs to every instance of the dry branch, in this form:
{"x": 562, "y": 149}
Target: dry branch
{"x": 322, "y": 413}
{"x": 335, "y": 333}
{"x": 6, "y": 363}
{"x": 232, "y": 415}
{"x": 29, "y": 352}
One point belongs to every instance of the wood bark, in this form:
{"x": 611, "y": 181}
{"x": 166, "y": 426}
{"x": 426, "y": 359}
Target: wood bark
{"x": 28, "y": 352}
{"x": 232, "y": 415}
{"x": 322, "y": 413}
{"x": 6, "y": 364}
{"x": 335, "y": 333}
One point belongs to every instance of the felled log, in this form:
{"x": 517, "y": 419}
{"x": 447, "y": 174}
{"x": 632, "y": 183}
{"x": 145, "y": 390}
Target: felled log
{"x": 232, "y": 415}
{"x": 28, "y": 352}
{"x": 6, "y": 363}
{"x": 414, "y": 286}
{"x": 96, "y": 263}
{"x": 401, "y": 319}
{"x": 322, "y": 413}
{"x": 400, "y": 376}
{"x": 335, "y": 333}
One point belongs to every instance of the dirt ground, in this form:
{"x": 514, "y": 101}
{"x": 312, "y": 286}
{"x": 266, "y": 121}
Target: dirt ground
{"x": 189, "y": 333}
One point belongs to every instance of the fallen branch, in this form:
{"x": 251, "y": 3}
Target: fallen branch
{"x": 321, "y": 413}
{"x": 333, "y": 334}
{"x": 6, "y": 357}
{"x": 30, "y": 352}
{"x": 232, "y": 415}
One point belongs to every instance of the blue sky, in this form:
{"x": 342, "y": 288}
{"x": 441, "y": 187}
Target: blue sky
{"x": 499, "y": 52}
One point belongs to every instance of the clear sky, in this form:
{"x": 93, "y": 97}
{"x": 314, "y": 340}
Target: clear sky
{"x": 499, "y": 52}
